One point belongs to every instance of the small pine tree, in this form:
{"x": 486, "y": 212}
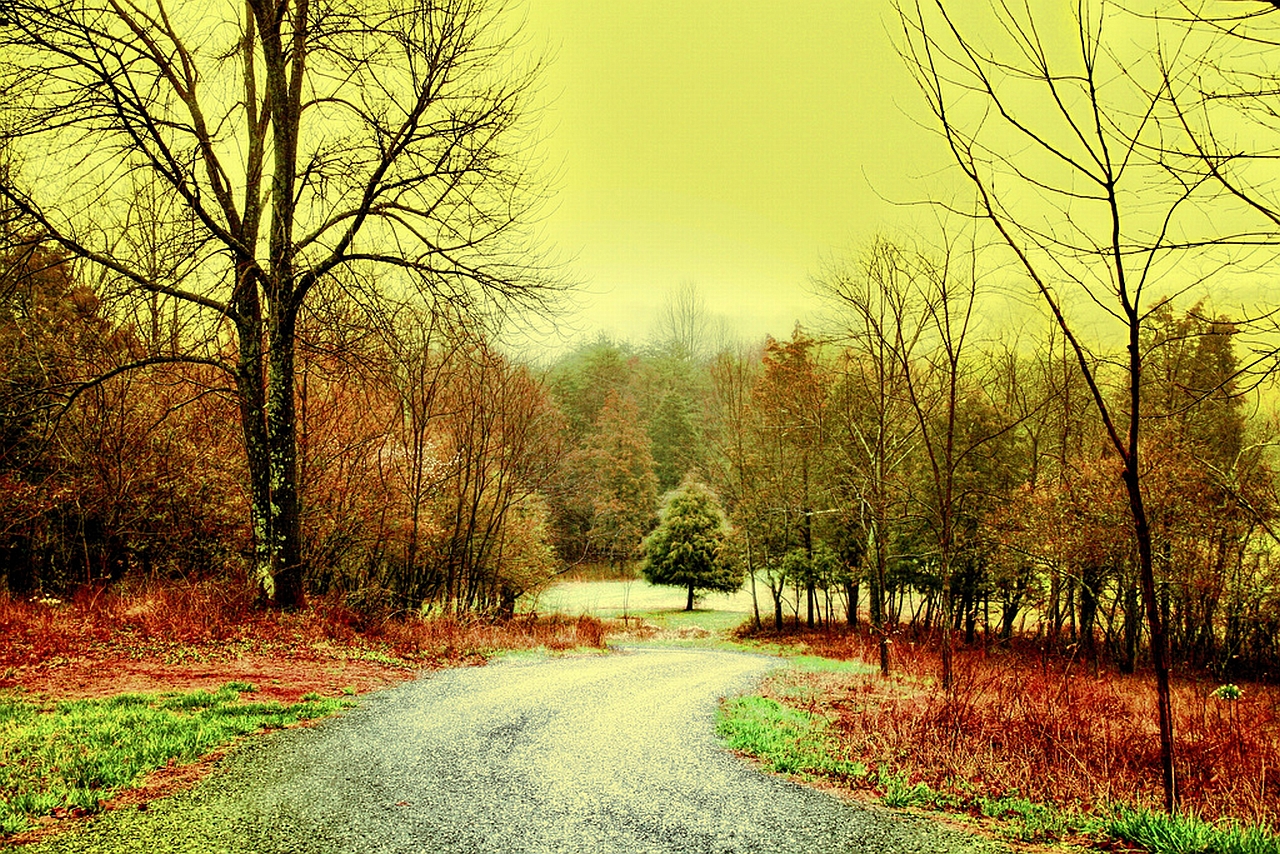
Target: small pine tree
{"x": 686, "y": 549}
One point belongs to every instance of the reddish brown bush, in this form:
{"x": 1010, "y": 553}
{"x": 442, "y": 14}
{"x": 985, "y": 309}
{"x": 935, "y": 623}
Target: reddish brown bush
{"x": 212, "y": 620}
{"x": 1051, "y": 730}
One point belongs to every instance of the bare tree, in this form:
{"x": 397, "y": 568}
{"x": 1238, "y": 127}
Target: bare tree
{"x": 427, "y": 350}
{"x": 877, "y": 428}
{"x": 1224, "y": 99}
{"x": 733, "y": 378}
{"x": 1230, "y": 78}
{"x": 791, "y": 396}
{"x": 299, "y": 139}
{"x": 684, "y": 324}
{"x": 1060, "y": 142}
{"x": 499, "y": 453}
{"x": 908, "y": 319}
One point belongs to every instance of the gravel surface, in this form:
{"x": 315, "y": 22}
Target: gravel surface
{"x": 598, "y": 754}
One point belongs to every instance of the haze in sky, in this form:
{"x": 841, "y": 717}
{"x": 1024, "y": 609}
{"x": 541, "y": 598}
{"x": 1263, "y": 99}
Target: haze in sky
{"x": 732, "y": 145}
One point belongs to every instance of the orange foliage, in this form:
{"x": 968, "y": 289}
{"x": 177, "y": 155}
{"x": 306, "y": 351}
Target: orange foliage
{"x": 1052, "y": 729}
{"x": 216, "y": 621}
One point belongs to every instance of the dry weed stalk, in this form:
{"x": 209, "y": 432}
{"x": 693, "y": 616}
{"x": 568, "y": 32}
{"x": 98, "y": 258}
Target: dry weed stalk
{"x": 1051, "y": 730}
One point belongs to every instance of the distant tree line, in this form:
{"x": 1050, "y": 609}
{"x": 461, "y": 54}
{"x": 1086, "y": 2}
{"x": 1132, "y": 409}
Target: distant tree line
{"x": 440, "y": 474}
{"x": 822, "y": 452}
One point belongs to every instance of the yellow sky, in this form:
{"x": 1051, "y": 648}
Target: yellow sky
{"x": 735, "y": 145}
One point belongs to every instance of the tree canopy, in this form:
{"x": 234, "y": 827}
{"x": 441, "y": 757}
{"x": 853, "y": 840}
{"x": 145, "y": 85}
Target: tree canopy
{"x": 687, "y": 548}
{"x": 224, "y": 170}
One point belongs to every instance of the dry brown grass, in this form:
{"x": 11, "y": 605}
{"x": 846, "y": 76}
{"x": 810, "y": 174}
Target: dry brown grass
{"x": 1050, "y": 729}
{"x": 169, "y": 622}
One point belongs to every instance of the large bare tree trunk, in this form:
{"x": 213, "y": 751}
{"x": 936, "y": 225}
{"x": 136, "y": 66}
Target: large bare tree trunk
{"x": 287, "y": 566}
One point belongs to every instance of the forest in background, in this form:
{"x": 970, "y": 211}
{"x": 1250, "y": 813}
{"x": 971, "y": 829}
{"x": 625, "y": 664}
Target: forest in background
{"x": 252, "y": 331}
{"x": 442, "y": 475}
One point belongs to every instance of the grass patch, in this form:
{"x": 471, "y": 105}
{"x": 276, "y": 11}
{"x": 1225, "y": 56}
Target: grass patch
{"x": 782, "y": 739}
{"x": 701, "y": 628}
{"x": 808, "y": 680}
{"x": 1186, "y": 834}
{"x": 73, "y": 754}
{"x": 1032, "y": 822}
{"x": 898, "y": 793}
{"x": 644, "y": 614}
{"x": 818, "y": 664}
{"x": 636, "y": 595}
{"x": 698, "y": 624}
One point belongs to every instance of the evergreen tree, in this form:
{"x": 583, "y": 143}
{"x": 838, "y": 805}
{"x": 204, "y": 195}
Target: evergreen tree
{"x": 686, "y": 550}
{"x": 582, "y": 381}
{"x": 622, "y": 483}
{"x": 675, "y": 441}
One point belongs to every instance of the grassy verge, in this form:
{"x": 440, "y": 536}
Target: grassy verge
{"x": 798, "y": 725}
{"x": 1163, "y": 834}
{"x": 67, "y": 757}
{"x": 783, "y": 739}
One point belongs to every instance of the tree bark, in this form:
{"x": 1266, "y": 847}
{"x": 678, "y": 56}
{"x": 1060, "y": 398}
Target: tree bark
{"x": 287, "y": 564}
{"x": 1159, "y": 639}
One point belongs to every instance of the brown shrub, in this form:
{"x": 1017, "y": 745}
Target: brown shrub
{"x": 216, "y": 620}
{"x": 1051, "y": 730}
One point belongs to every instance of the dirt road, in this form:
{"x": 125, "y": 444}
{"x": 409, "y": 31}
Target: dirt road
{"x": 598, "y": 754}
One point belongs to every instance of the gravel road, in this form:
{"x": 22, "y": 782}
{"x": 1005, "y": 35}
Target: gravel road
{"x": 598, "y": 754}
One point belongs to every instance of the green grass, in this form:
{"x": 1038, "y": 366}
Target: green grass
{"x": 1185, "y": 834}
{"x": 715, "y": 616}
{"x": 698, "y": 620}
{"x": 73, "y": 754}
{"x": 782, "y": 739}
{"x": 818, "y": 664}
{"x": 900, "y": 793}
{"x": 614, "y": 597}
{"x": 1031, "y": 822}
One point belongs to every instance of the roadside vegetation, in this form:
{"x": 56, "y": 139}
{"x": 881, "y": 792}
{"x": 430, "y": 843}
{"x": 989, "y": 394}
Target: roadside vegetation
{"x": 173, "y": 622}
{"x": 114, "y": 693}
{"x": 65, "y": 758}
{"x": 1038, "y": 748}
